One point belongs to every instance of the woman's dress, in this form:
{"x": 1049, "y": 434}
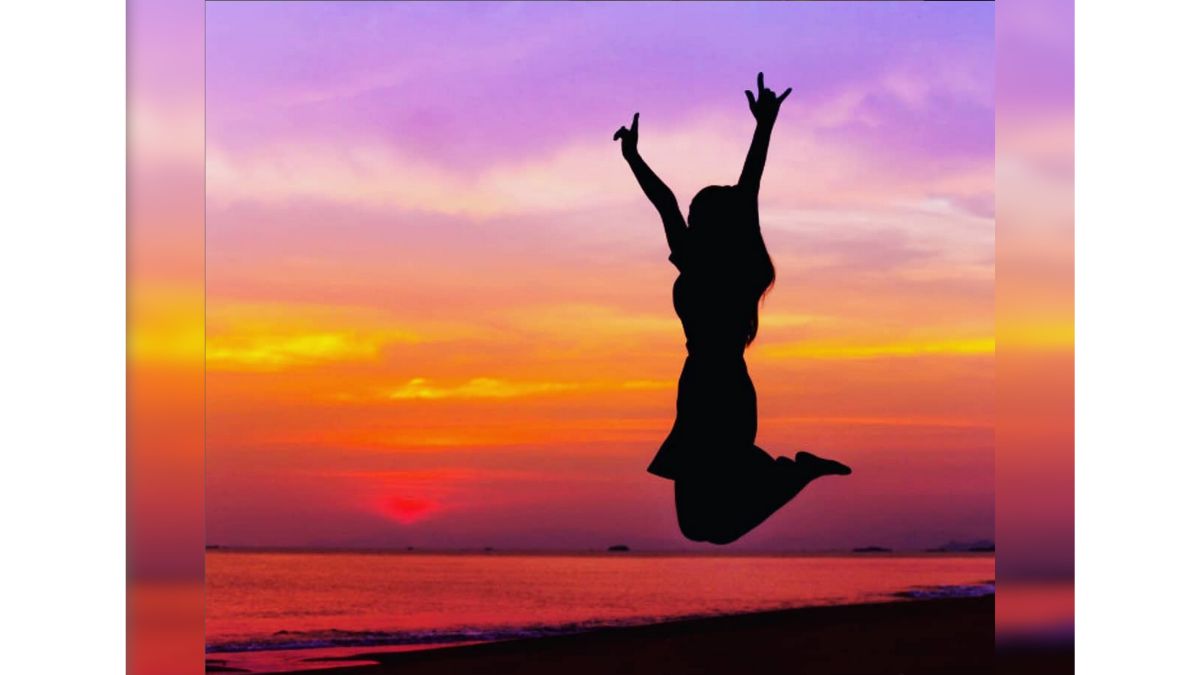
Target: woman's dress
{"x": 716, "y": 409}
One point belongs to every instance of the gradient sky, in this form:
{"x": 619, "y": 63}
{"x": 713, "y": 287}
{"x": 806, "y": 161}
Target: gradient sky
{"x": 165, "y": 298}
{"x": 438, "y": 306}
{"x": 1035, "y": 296}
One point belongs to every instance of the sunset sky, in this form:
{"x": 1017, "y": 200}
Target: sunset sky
{"x": 438, "y": 306}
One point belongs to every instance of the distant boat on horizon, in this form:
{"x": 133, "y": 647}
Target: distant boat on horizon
{"x": 618, "y": 548}
{"x": 871, "y": 549}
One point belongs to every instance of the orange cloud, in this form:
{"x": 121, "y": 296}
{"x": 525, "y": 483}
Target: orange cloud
{"x": 478, "y": 387}
{"x": 253, "y": 337}
{"x": 273, "y": 352}
{"x": 841, "y": 350}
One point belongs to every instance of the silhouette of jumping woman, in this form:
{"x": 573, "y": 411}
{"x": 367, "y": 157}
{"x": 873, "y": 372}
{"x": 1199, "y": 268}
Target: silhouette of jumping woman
{"x": 725, "y": 485}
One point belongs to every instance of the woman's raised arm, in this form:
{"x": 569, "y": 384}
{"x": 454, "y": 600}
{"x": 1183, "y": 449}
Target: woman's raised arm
{"x": 765, "y": 110}
{"x": 657, "y": 191}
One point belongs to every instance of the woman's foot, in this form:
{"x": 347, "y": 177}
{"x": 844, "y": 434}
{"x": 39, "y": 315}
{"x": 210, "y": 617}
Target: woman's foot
{"x": 811, "y": 467}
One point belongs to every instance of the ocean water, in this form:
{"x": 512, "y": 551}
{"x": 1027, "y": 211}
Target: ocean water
{"x": 285, "y": 603}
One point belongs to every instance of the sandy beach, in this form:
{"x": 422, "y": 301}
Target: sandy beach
{"x": 929, "y": 636}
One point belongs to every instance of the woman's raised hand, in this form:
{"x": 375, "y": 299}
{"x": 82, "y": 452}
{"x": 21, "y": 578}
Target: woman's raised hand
{"x": 766, "y": 108}
{"x": 628, "y": 137}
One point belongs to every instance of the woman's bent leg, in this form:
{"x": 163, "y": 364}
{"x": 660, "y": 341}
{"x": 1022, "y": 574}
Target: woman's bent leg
{"x": 693, "y": 501}
{"x": 722, "y": 507}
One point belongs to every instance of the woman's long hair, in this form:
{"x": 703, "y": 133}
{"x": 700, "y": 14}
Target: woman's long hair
{"x": 723, "y": 226}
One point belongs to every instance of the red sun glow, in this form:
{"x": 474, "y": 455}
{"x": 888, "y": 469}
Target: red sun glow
{"x": 408, "y": 509}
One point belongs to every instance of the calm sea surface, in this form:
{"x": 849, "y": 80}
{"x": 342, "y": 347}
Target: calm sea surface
{"x": 268, "y": 601}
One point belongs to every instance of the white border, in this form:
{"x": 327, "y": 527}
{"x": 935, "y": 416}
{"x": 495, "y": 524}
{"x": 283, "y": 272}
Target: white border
{"x": 1137, "y": 336}
{"x": 62, "y": 275}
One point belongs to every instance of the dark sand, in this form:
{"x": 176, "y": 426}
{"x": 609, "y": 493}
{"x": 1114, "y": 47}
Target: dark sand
{"x": 931, "y": 636}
